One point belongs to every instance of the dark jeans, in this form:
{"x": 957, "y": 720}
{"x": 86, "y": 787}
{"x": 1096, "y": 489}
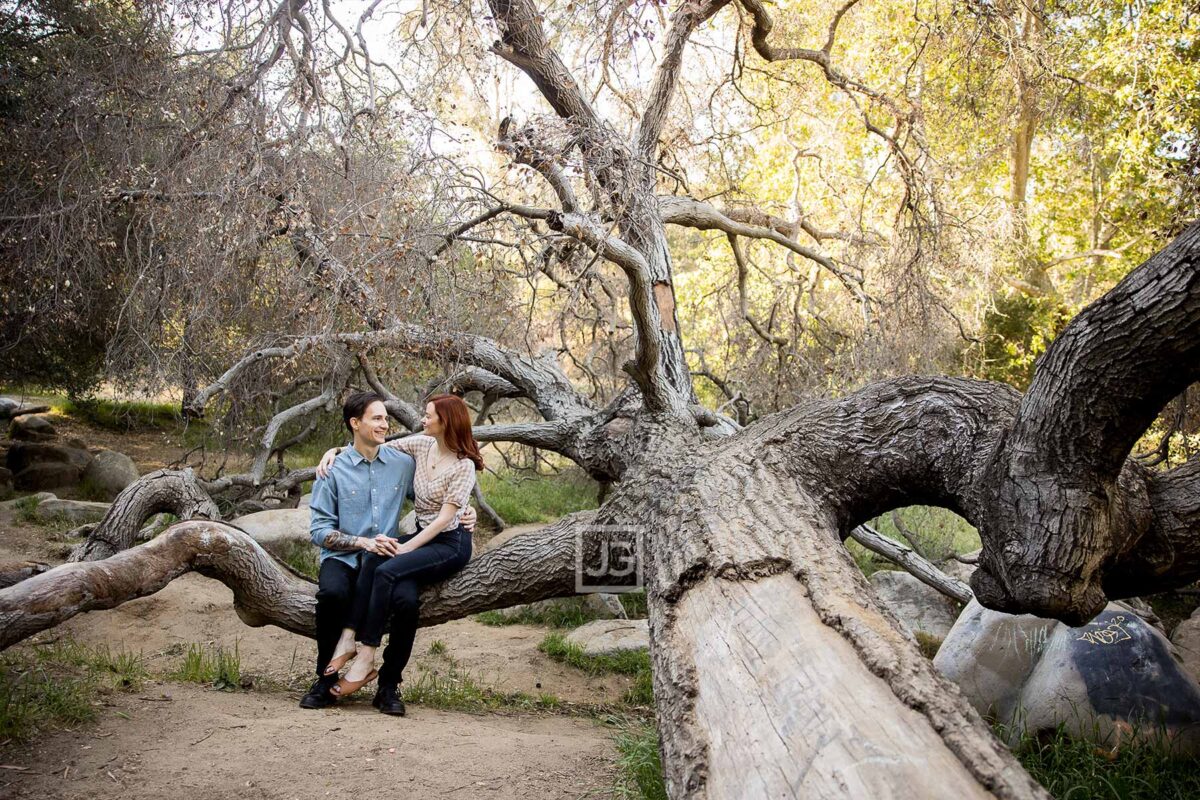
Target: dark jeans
{"x": 392, "y": 586}
{"x": 335, "y": 601}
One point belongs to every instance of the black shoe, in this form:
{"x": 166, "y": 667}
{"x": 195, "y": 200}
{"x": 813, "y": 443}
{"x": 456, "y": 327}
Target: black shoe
{"x": 319, "y": 695}
{"x": 387, "y": 700}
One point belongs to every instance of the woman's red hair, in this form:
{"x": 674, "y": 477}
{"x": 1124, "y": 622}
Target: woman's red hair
{"x": 456, "y": 424}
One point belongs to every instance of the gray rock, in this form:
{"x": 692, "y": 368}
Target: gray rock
{"x": 7, "y": 406}
{"x": 47, "y": 476}
{"x": 920, "y": 607}
{"x": 40, "y": 497}
{"x": 1186, "y": 638}
{"x": 1116, "y": 674}
{"x": 31, "y": 429}
{"x": 109, "y": 472}
{"x": 77, "y": 511}
{"x": 275, "y": 526}
{"x": 22, "y": 455}
{"x": 604, "y": 605}
{"x": 957, "y": 569}
{"x": 607, "y": 636}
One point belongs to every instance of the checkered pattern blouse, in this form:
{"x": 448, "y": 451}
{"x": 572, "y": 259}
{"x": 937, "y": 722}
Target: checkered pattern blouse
{"x": 451, "y": 482}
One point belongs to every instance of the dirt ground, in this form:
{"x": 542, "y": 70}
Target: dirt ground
{"x": 185, "y": 741}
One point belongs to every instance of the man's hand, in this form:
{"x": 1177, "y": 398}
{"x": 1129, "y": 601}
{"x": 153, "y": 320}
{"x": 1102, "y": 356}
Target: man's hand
{"x": 326, "y": 462}
{"x": 385, "y": 546}
{"x": 469, "y": 518}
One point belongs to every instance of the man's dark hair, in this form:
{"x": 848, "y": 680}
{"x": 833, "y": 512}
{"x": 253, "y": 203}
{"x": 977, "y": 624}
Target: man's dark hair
{"x": 356, "y": 405}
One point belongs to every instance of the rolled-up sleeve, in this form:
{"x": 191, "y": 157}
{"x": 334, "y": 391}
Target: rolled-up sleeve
{"x": 323, "y": 510}
{"x": 458, "y": 489}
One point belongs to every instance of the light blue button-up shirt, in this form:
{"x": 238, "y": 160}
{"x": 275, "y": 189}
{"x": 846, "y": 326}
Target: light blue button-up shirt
{"x": 360, "y": 498}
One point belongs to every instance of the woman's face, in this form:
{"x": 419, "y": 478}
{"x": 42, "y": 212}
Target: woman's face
{"x": 430, "y": 422}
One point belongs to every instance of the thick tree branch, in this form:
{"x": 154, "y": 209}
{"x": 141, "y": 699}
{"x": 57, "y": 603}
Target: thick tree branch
{"x": 913, "y": 562}
{"x": 533, "y": 566}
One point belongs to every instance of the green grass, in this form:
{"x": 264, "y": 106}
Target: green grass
{"x": 437, "y": 648}
{"x": 1074, "y": 769}
{"x": 213, "y": 666}
{"x": 122, "y": 415}
{"x": 303, "y": 557}
{"x": 640, "y": 765}
{"x": 928, "y": 643}
{"x": 454, "y": 689}
{"x": 25, "y": 509}
{"x": 565, "y": 613}
{"x": 521, "y": 500}
{"x": 629, "y": 662}
{"x": 58, "y": 685}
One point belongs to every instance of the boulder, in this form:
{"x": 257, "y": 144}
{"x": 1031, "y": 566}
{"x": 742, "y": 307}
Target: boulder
{"x": 47, "y": 476}
{"x": 77, "y": 511}
{"x": 109, "y": 472}
{"x": 1186, "y": 638}
{"x": 275, "y": 526}
{"x": 22, "y": 455}
{"x": 957, "y": 569}
{"x": 604, "y": 605}
{"x": 920, "y": 607}
{"x": 607, "y": 636}
{"x": 1116, "y": 675}
{"x": 6, "y": 483}
{"x": 31, "y": 429}
{"x": 7, "y": 407}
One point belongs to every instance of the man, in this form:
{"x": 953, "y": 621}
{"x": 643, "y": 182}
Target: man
{"x": 356, "y": 508}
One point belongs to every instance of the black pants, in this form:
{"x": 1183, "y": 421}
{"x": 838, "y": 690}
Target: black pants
{"x": 391, "y": 587}
{"x": 335, "y": 602}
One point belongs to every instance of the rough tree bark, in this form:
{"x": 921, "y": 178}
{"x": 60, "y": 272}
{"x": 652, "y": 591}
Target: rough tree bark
{"x": 776, "y": 672}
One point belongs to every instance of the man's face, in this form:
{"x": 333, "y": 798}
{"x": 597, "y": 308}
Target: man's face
{"x": 372, "y": 427}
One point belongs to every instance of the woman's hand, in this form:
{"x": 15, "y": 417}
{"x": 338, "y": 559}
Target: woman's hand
{"x": 327, "y": 461}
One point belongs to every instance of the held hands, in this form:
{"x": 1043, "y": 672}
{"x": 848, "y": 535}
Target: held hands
{"x": 327, "y": 462}
{"x": 382, "y": 545}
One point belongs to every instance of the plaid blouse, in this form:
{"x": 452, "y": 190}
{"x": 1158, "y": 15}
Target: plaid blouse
{"x": 451, "y": 482}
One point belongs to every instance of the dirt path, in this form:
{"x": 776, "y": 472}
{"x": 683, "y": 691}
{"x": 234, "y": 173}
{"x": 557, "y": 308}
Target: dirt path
{"x": 206, "y": 744}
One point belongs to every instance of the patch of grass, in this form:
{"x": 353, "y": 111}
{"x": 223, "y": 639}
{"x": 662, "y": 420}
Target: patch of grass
{"x": 303, "y": 557}
{"x": 57, "y": 685}
{"x": 928, "y": 643}
{"x": 122, "y": 415}
{"x": 456, "y": 690}
{"x": 214, "y": 666}
{"x": 629, "y": 662}
{"x": 26, "y": 510}
{"x": 1175, "y": 606}
{"x": 1075, "y": 769}
{"x": 640, "y": 776}
{"x": 437, "y": 648}
{"x": 634, "y": 604}
{"x": 567, "y": 613}
{"x": 520, "y": 499}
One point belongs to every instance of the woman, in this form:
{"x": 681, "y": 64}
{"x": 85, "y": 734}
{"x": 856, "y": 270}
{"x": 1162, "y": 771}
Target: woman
{"x": 447, "y": 458}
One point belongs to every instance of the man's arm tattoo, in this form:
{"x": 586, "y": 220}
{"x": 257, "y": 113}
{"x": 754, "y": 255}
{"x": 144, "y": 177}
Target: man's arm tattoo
{"x": 336, "y": 540}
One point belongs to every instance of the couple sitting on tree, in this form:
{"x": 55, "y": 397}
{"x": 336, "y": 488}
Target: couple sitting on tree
{"x": 368, "y": 572}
